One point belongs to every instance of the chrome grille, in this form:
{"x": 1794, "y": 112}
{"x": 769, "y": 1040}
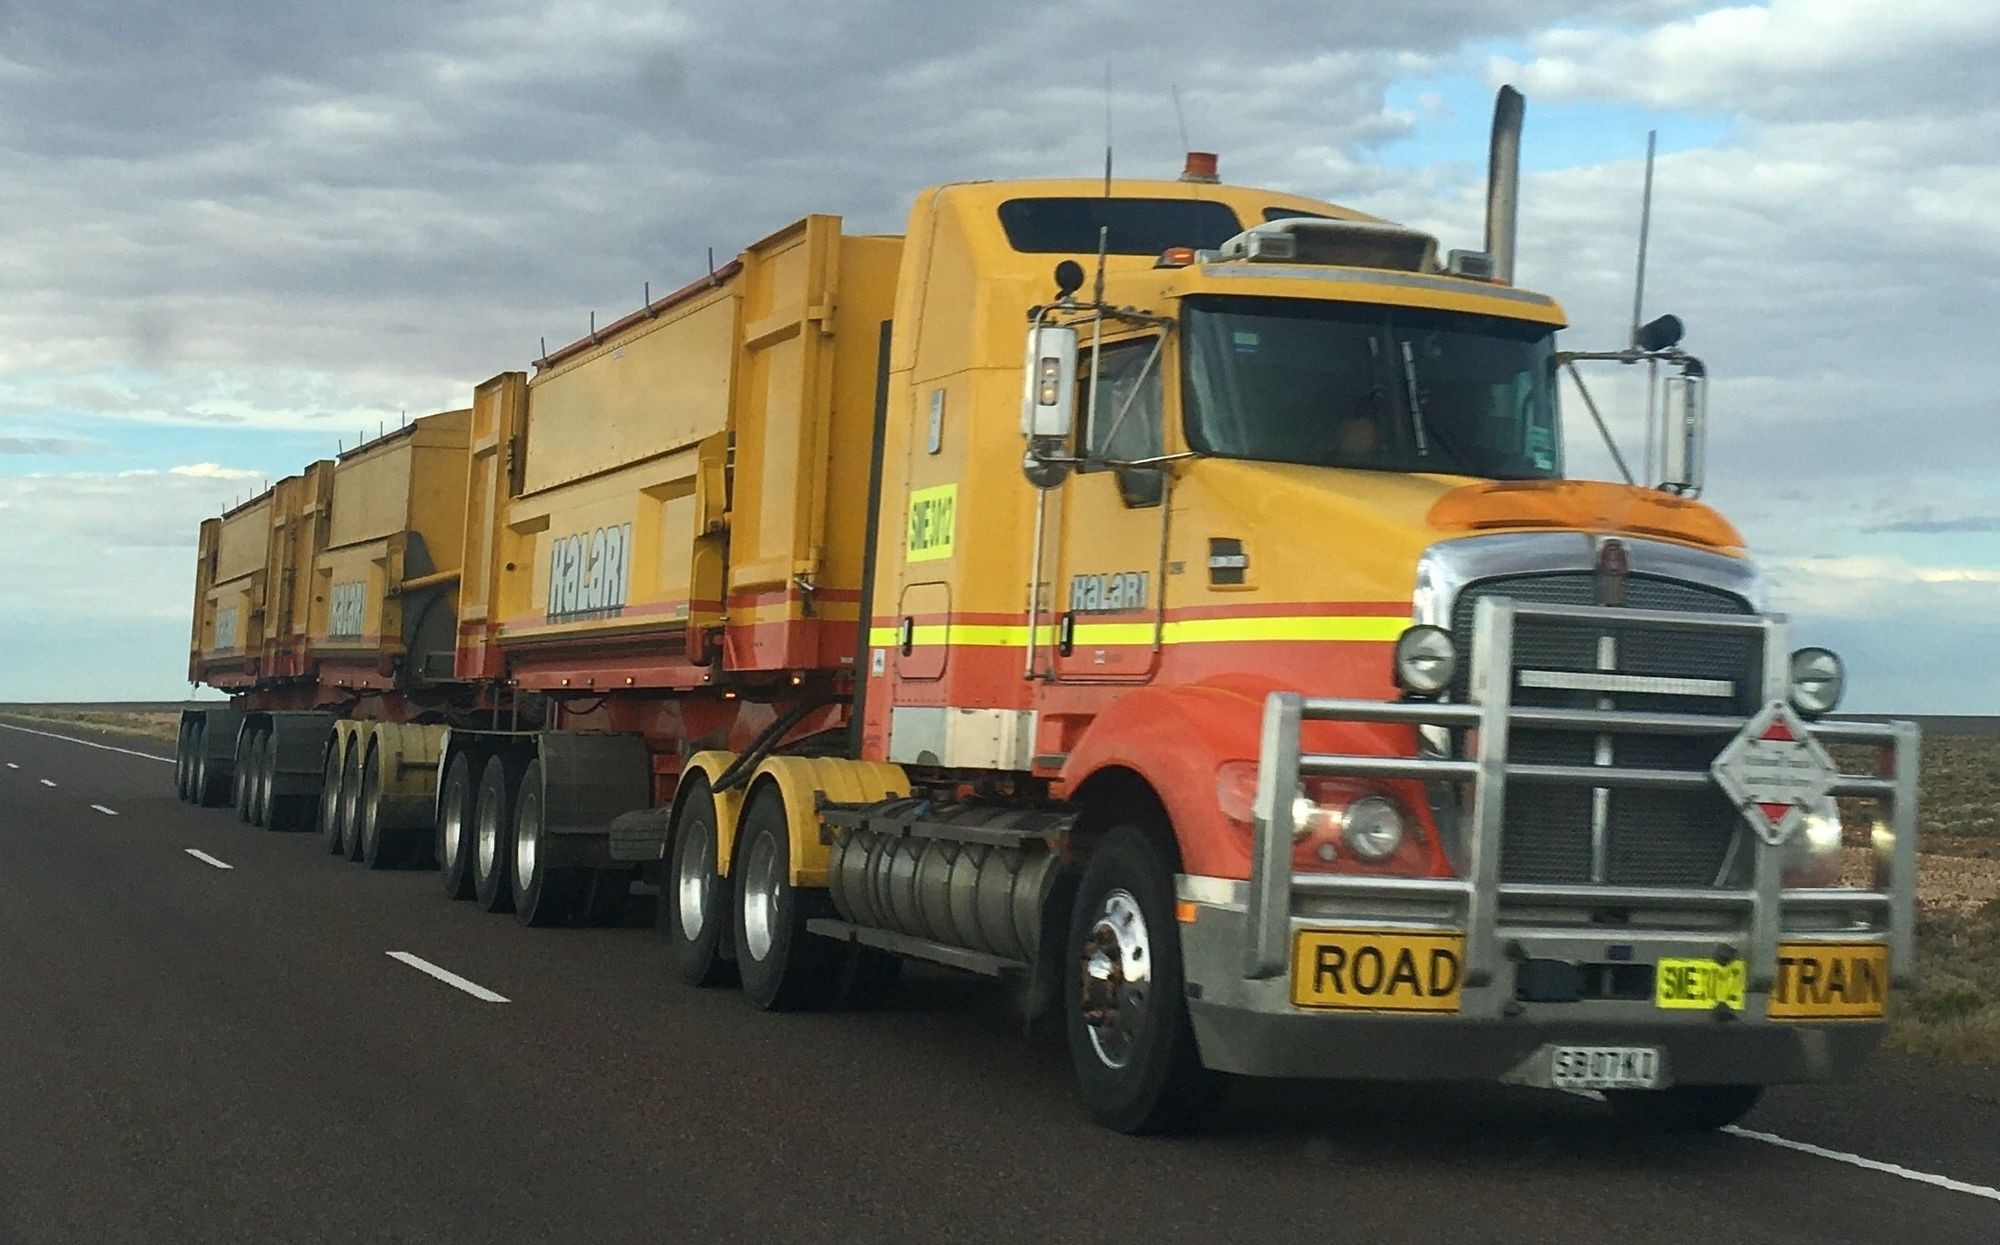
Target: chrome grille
{"x": 1651, "y": 838}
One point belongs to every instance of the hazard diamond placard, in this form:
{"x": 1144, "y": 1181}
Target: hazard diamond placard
{"x": 1775, "y": 772}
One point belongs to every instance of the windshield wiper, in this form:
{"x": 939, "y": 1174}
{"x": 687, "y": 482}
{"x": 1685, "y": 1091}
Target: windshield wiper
{"x": 1416, "y": 403}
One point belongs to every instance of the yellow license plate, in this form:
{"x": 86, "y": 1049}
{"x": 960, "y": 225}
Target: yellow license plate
{"x": 1378, "y": 970}
{"x": 1699, "y": 984}
{"x": 1830, "y": 981}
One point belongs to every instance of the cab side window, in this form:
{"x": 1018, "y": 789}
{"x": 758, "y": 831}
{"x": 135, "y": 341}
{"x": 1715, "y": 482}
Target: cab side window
{"x": 1126, "y": 423}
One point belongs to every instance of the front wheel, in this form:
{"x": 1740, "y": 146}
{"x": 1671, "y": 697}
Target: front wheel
{"x": 1129, "y": 1034}
{"x": 1682, "y": 1108}
{"x": 783, "y": 967}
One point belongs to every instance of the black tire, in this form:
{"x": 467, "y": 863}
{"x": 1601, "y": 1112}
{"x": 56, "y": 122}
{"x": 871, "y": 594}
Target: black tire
{"x": 243, "y": 783}
{"x": 456, "y": 828}
{"x": 699, "y": 934}
{"x": 1682, "y": 1108}
{"x": 263, "y": 760}
{"x": 783, "y": 967}
{"x": 350, "y": 802}
{"x": 330, "y": 803}
{"x": 381, "y": 847}
{"x": 183, "y": 782}
{"x": 541, "y": 895}
{"x": 211, "y": 789}
{"x": 493, "y": 850}
{"x": 1136, "y": 1064}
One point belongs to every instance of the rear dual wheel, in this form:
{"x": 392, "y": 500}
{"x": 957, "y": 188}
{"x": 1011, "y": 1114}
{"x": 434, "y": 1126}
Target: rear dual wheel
{"x": 783, "y": 966}
{"x": 457, "y": 827}
{"x": 350, "y": 802}
{"x": 493, "y": 841}
{"x": 242, "y": 784}
{"x": 694, "y": 909}
{"x": 331, "y": 804}
{"x": 548, "y": 894}
{"x": 183, "y": 761}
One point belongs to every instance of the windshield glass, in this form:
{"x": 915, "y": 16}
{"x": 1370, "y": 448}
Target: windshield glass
{"x": 1385, "y": 388}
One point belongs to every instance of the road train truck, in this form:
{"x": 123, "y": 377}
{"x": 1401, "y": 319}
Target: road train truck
{"x": 1169, "y": 596}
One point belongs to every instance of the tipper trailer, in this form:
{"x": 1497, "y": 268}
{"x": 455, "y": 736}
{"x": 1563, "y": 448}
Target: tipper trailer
{"x": 1221, "y": 654}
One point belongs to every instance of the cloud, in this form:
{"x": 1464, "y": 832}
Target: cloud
{"x": 1927, "y": 524}
{"x": 319, "y": 218}
{"x": 50, "y": 446}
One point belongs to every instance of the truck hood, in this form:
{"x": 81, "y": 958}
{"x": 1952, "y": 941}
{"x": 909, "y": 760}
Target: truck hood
{"x": 1357, "y": 535}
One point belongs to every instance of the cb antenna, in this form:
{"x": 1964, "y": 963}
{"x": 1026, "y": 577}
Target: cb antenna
{"x": 1639, "y": 295}
{"x": 1180, "y": 117}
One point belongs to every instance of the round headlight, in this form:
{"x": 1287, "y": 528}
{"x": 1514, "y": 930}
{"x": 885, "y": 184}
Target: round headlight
{"x": 1818, "y": 678}
{"x": 1372, "y": 828}
{"x": 1426, "y": 659}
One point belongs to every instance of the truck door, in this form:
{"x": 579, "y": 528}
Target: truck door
{"x": 1106, "y": 597}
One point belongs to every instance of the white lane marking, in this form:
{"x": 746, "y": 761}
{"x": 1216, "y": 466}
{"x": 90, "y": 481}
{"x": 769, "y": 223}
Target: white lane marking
{"x": 1874, "y": 1165}
{"x": 11, "y": 765}
{"x": 71, "y": 739}
{"x": 205, "y": 858}
{"x": 472, "y": 988}
{"x": 47, "y": 782}
{"x": 108, "y": 812}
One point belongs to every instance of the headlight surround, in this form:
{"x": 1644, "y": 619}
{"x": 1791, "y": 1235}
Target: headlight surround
{"x": 1372, "y": 827}
{"x": 1818, "y": 679}
{"x": 1426, "y": 660}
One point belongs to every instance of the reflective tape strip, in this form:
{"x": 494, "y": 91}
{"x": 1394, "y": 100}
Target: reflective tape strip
{"x": 1366, "y": 628}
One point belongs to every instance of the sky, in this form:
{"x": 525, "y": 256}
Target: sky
{"x": 235, "y": 237}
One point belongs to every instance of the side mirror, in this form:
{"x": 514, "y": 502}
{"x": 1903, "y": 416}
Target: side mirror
{"x": 1686, "y": 433}
{"x": 1048, "y": 395}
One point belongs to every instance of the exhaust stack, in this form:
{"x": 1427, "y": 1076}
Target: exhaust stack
{"x": 1503, "y": 182}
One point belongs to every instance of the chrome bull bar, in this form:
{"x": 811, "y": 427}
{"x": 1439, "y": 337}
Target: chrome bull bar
{"x": 1478, "y": 894}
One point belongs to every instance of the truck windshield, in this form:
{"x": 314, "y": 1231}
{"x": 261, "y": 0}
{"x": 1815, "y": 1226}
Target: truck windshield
{"x": 1384, "y": 388}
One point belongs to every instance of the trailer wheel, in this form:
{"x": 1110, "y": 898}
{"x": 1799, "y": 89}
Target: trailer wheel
{"x": 783, "y": 967}
{"x": 242, "y": 783}
{"x": 1682, "y": 1108}
{"x": 455, "y": 827}
{"x": 493, "y": 843}
{"x": 350, "y": 802}
{"x": 542, "y": 895}
{"x": 182, "y": 768}
{"x": 263, "y": 758}
{"x": 694, "y": 911}
{"x": 1129, "y": 1034}
{"x": 380, "y": 848}
{"x": 330, "y": 803}
{"x": 209, "y": 788}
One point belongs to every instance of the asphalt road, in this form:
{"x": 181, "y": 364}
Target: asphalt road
{"x": 192, "y": 1053}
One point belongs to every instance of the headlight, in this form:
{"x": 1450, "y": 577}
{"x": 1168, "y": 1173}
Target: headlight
{"x": 1818, "y": 678}
{"x": 1426, "y": 659}
{"x": 1372, "y": 828}
{"x": 1813, "y": 856}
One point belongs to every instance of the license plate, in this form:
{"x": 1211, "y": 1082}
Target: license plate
{"x": 1378, "y": 970}
{"x": 1605, "y": 1067}
{"x": 1830, "y": 981}
{"x": 1699, "y": 984}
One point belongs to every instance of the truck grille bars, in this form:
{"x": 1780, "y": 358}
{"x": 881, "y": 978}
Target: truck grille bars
{"x": 1481, "y": 896}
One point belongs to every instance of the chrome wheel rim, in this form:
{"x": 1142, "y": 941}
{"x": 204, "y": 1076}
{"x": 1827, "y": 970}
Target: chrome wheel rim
{"x": 329, "y": 797}
{"x": 371, "y": 802}
{"x": 489, "y": 837}
{"x": 453, "y": 822}
{"x": 1117, "y": 978}
{"x": 761, "y": 880}
{"x": 694, "y": 880}
{"x": 527, "y": 838}
{"x": 350, "y": 797}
